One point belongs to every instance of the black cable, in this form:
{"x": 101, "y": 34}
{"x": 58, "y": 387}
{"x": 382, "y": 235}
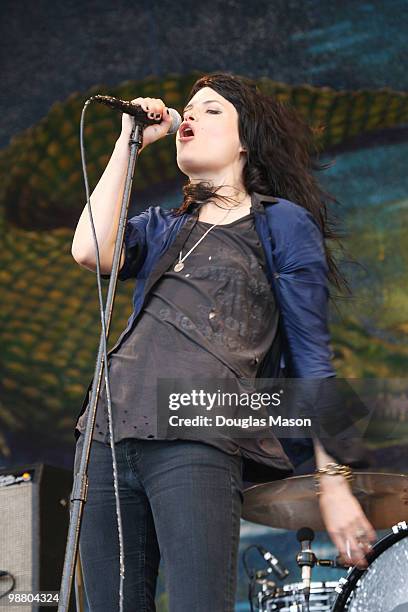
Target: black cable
{"x": 248, "y": 572}
{"x": 13, "y": 582}
{"x": 251, "y": 595}
{"x": 105, "y": 359}
{"x": 251, "y": 576}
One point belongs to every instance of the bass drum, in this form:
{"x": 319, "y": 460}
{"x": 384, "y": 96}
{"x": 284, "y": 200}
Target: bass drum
{"x": 383, "y": 585}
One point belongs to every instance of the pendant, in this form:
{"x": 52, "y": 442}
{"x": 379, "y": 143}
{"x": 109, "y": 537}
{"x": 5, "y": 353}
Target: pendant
{"x": 179, "y": 266}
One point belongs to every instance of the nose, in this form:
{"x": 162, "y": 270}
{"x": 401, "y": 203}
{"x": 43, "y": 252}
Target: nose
{"x": 188, "y": 116}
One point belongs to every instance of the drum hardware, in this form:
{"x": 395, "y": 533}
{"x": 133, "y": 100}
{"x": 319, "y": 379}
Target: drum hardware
{"x": 291, "y": 597}
{"x": 260, "y": 577}
{"x": 291, "y": 503}
{"x": 381, "y": 587}
{"x": 273, "y": 562}
{"x": 306, "y": 560}
{"x": 268, "y": 587}
{"x": 334, "y": 563}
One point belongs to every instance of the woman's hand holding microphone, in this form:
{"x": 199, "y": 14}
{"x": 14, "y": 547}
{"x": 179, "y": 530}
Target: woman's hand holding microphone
{"x": 155, "y": 109}
{"x": 106, "y": 198}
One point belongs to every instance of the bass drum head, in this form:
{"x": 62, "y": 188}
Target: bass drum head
{"x": 383, "y": 586}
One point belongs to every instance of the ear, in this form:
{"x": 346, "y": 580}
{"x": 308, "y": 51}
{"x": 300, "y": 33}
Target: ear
{"x": 242, "y": 148}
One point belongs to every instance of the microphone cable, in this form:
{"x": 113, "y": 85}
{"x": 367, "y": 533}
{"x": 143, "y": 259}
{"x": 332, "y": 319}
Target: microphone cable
{"x": 6, "y": 574}
{"x": 105, "y": 360}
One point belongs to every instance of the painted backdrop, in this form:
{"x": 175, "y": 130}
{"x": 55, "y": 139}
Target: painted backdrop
{"x": 339, "y": 64}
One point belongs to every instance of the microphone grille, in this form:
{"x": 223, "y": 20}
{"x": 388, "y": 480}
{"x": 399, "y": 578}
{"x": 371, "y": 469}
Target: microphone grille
{"x": 305, "y": 533}
{"x": 176, "y": 121}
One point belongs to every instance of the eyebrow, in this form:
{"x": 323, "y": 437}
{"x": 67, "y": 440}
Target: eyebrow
{"x": 206, "y": 102}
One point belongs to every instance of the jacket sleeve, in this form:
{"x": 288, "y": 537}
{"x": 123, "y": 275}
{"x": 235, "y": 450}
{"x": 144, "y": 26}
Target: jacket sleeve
{"x": 302, "y": 288}
{"x": 134, "y": 245}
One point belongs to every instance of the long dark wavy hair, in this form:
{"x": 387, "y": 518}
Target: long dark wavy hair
{"x": 282, "y": 153}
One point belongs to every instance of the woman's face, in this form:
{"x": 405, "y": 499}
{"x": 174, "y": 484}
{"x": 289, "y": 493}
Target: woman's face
{"x": 215, "y": 146}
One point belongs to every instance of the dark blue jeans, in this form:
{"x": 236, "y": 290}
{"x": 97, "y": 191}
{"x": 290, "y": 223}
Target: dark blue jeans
{"x": 180, "y": 501}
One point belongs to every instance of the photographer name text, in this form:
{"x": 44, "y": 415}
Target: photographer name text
{"x": 243, "y": 423}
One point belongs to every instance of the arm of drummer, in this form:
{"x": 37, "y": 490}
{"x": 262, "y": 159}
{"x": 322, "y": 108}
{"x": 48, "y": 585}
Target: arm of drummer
{"x": 342, "y": 514}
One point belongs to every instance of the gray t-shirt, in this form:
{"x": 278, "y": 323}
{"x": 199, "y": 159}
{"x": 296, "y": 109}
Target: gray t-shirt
{"x": 216, "y": 317}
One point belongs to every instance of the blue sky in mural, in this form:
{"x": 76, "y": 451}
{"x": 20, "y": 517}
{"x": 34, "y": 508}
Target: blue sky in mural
{"x": 369, "y": 176}
{"x": 360, "y": 42}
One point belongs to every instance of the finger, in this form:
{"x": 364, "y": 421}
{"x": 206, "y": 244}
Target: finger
{"x": 344, "y": 560}
{"x": 147, "y": 104}
{"x": 371, "y": 534}
{"x": 364, "y": 546}
{"x": 363, "y": 530}
{"x": 143, "y": 102}
{"x": 139, "y": 100}
{"x": 357, "y": 548}
{"x": 165, "y": 120}
{"x": 365, "y": 541}
{"x": 339, "y": 540}
{"x": 153, "y": 107}
{"x": 357, "y": 554}
{"x": 349, "y": 550}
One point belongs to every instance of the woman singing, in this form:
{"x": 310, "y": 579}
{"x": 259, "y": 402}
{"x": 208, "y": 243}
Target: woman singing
{"x": 252, "y": 218}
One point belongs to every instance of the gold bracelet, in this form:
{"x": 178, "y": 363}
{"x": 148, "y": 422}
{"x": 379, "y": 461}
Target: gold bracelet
{"x": 333, "y": 469}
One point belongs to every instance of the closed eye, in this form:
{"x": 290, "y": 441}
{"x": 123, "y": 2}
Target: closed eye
{"x": 209, "y": 110}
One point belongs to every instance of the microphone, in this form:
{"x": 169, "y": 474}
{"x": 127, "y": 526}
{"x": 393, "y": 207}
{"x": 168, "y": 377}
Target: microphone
{"x": 281, "y": 572}
{"x": 306, "y": 558}
{"x": 135, "y": 110}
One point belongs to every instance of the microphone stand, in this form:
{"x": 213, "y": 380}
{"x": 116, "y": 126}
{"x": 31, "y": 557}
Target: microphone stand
{"x": 80, "y": 484}
{"x": 306, "y": 559}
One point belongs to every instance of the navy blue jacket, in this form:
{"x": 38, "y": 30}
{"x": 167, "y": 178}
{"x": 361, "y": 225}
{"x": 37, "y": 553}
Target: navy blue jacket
{"x": 296, "y": 268}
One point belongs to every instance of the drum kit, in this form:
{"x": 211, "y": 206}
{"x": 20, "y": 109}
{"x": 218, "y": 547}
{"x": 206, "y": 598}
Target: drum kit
{"x": 292, "y": 504}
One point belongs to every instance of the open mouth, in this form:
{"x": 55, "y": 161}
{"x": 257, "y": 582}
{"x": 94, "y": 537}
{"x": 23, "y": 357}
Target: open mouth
{"x": 186, "y": 133}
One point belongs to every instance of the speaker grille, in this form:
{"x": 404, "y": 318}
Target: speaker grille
{"x": 34, "y": 517}
{"x": 20, "y": 538}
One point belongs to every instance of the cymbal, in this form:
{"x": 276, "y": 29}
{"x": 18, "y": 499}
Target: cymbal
{"x": 292, "y": 503}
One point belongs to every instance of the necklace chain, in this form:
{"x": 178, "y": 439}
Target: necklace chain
{"x": 180, "y": 265}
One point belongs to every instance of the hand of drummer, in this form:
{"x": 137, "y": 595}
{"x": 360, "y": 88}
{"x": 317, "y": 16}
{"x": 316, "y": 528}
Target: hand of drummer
{"x": 345, "y": 521}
